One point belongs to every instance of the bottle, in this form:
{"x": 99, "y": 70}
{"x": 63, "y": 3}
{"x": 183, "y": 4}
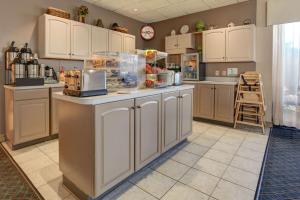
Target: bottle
{"x": 62, "y": 74}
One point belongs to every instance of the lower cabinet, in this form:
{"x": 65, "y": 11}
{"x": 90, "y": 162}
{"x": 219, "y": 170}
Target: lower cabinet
{"x": 177, "y": 117}
{"x": 214, "y": 102}
{"x": 26, "y": 115}
{"x": 170, "y": 119}
{"x": 114, "y": 153}
{"x": 31, "y": 120}
{"x": 185, "y": 113}
{"x": 53, "y": 111}
{"x": 147, "y": 129}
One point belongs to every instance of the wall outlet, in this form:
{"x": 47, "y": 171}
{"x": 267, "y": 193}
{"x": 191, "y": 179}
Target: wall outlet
{"x": 217, "y": 73}
{"x": 232, "y": 71}
{"x": 224, "y": 73}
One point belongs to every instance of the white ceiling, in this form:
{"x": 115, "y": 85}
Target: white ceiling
{"x": 157, "y": 10}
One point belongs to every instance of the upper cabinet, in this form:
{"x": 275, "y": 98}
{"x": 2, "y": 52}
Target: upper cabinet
{"x": 178, "y": 44}
{"x": 214, "y": 45}
{"x": 99, "y": 39}
{"x": 240, "y": 43}
{"x": 80, "y": 40}
{"x": 54, "y": 37}
{"x": 234, "y": 44}
{"x": 67, "y": 39}
{"x": 128, "y": 43}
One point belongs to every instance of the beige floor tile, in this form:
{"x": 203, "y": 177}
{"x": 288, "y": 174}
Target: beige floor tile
{"x": 71, "y": 197}
{"x": 200, "y": 180}
{"x": 211, "y": 198}
{"x": 54, "y": 190}
{"x": 217, "y": 129}
{"x": 45, "y": 175}
{"x": 186, "y": 158}
{"x": 254, "y": 146}
{"x": 54, "y": 155}
{"x": 28, "y": 155}
{"x": 246, "y": 164}
{"x": 241, "y": 177}
{"x": 251, "y": 154}
{"x": 228, "y": 139}
{"x": 204, "y": 141}
{"x": 193, "y": 136}
{"x": 257, "y": 138}
{"x": 19, "y": 151}
{"x": 49, "y": 146}
{"x": 172, "y": 169}
{"x": 153, "y": 182}
{"x": 196, "y": 149}
{"x": 229, "y": 191}
{"x": 211, "y": 167}
{"x": 219, "y": 156}
{"x": 183, "y": 192}
{"x": 199, "y": 127}
{"x": 128, "y": 191}
{"x": 227, "y": 148}
{"x": 236, "y": 133}
{"x": 36, "y": 164}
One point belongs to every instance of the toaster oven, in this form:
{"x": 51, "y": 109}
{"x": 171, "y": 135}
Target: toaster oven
{"x": 85, "y": 82}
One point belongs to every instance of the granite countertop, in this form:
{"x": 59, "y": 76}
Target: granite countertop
{"x": 53, "y": 85}
{"x": 111, "y": 97}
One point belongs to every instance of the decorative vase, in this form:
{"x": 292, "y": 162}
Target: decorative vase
{"x": 82, "y": 18}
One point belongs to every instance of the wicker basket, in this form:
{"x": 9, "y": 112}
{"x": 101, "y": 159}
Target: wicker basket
{"x": 58, "y": 13}
{"x": 121, "y": 29}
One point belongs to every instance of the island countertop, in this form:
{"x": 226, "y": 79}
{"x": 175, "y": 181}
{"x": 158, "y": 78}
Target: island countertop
{"x": 111, "y": 97}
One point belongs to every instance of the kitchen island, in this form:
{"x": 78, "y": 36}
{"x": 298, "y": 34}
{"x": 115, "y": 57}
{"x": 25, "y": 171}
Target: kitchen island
{"x": 105, "y": 139}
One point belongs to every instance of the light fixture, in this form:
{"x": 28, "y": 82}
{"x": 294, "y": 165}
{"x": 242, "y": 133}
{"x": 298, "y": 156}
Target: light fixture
{"x": 135, "y": 9}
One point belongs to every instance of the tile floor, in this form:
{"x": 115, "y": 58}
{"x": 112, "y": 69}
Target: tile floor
{"x": 215, "y": 162}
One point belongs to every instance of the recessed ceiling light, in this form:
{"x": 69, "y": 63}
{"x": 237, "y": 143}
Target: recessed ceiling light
{"x": 135, "y": 9}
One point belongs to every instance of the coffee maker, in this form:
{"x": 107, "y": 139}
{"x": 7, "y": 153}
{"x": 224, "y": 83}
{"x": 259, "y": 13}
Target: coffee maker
{"x": 21, "y": 68}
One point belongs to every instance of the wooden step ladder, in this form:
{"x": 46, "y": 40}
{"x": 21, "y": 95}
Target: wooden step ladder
{"x": 249, "y": 104}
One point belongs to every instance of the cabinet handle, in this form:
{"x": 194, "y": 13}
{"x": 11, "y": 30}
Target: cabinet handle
{"x": 138, "y": 107}
{"x": 133, "y": 108}
{"x": 180, "y": 97}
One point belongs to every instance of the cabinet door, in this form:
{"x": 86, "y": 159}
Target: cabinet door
{"x": 148, "y": 129}
{"x": 170, "y": 114}
{"x": 31, "y": 120}
{"x": 128, "y": 43}
{"x": 99, "y": 39}
{"x": 80, "y": 40}
{"x": 240, "y": 44}
{"x": 54, "y": 111}
{"x": 171, "y": 43}
{"x": 206, "y": 101}
{"x": 114, "y": 143}
{"x": 214, "y": 45}
{"x": 54, "y": 37}
{"x": 186, "y": 113}
{"x": 196, "y": 101}
{"x": 186, "y": 41}
{"x": 115, "y": 41}
{"x": 224, "y": 103}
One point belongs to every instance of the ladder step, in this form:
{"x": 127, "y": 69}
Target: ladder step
{"x": 249, "y": 113}
{"x": 249, "y": 123}
{"x": 250, "y": 102}
{"x": 249, "y": 92}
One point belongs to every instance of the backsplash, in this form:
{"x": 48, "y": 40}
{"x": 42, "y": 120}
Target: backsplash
{"x": 211, "y": 68}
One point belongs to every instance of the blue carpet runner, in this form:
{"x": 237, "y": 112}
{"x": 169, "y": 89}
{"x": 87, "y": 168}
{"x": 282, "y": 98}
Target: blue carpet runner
{"x": 280, "y": 176}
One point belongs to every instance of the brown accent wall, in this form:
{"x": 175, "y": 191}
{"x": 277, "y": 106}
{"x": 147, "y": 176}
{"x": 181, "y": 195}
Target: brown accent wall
{"x": 220, "y": 17}
{"x": 18, "y": 21}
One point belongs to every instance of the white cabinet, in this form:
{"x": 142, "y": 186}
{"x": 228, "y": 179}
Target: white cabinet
{"x": 67, "y": 39}
{"x": 234, "y": 44}
{"x": 54, "y": 37}
{"x": 240, "y": 43}
{"x": 99, "y": 39}
{"x": 128, "y": 43}
{"x": 121, "y": 42}
{"x": 147, "y": 129}
{"x": 178, "y": 44}
{"x": 115, "y": 41}
{"x": 185, "y": 113}
{"x": 80, "y": 40}
{"x": 214, "y": 45}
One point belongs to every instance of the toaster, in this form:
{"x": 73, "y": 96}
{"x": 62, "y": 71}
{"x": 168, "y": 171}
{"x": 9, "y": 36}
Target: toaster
{"x": 85, "y": 82}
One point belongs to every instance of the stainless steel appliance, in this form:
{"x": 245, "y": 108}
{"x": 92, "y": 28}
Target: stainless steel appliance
{"x": 85, "y": 82}
{"x": 33, "y": 69}
{"x": 26, "y": 53}
{"x": 178, "y": 77}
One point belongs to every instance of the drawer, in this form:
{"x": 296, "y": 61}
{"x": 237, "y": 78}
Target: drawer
{"x": 31, "y": 94}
